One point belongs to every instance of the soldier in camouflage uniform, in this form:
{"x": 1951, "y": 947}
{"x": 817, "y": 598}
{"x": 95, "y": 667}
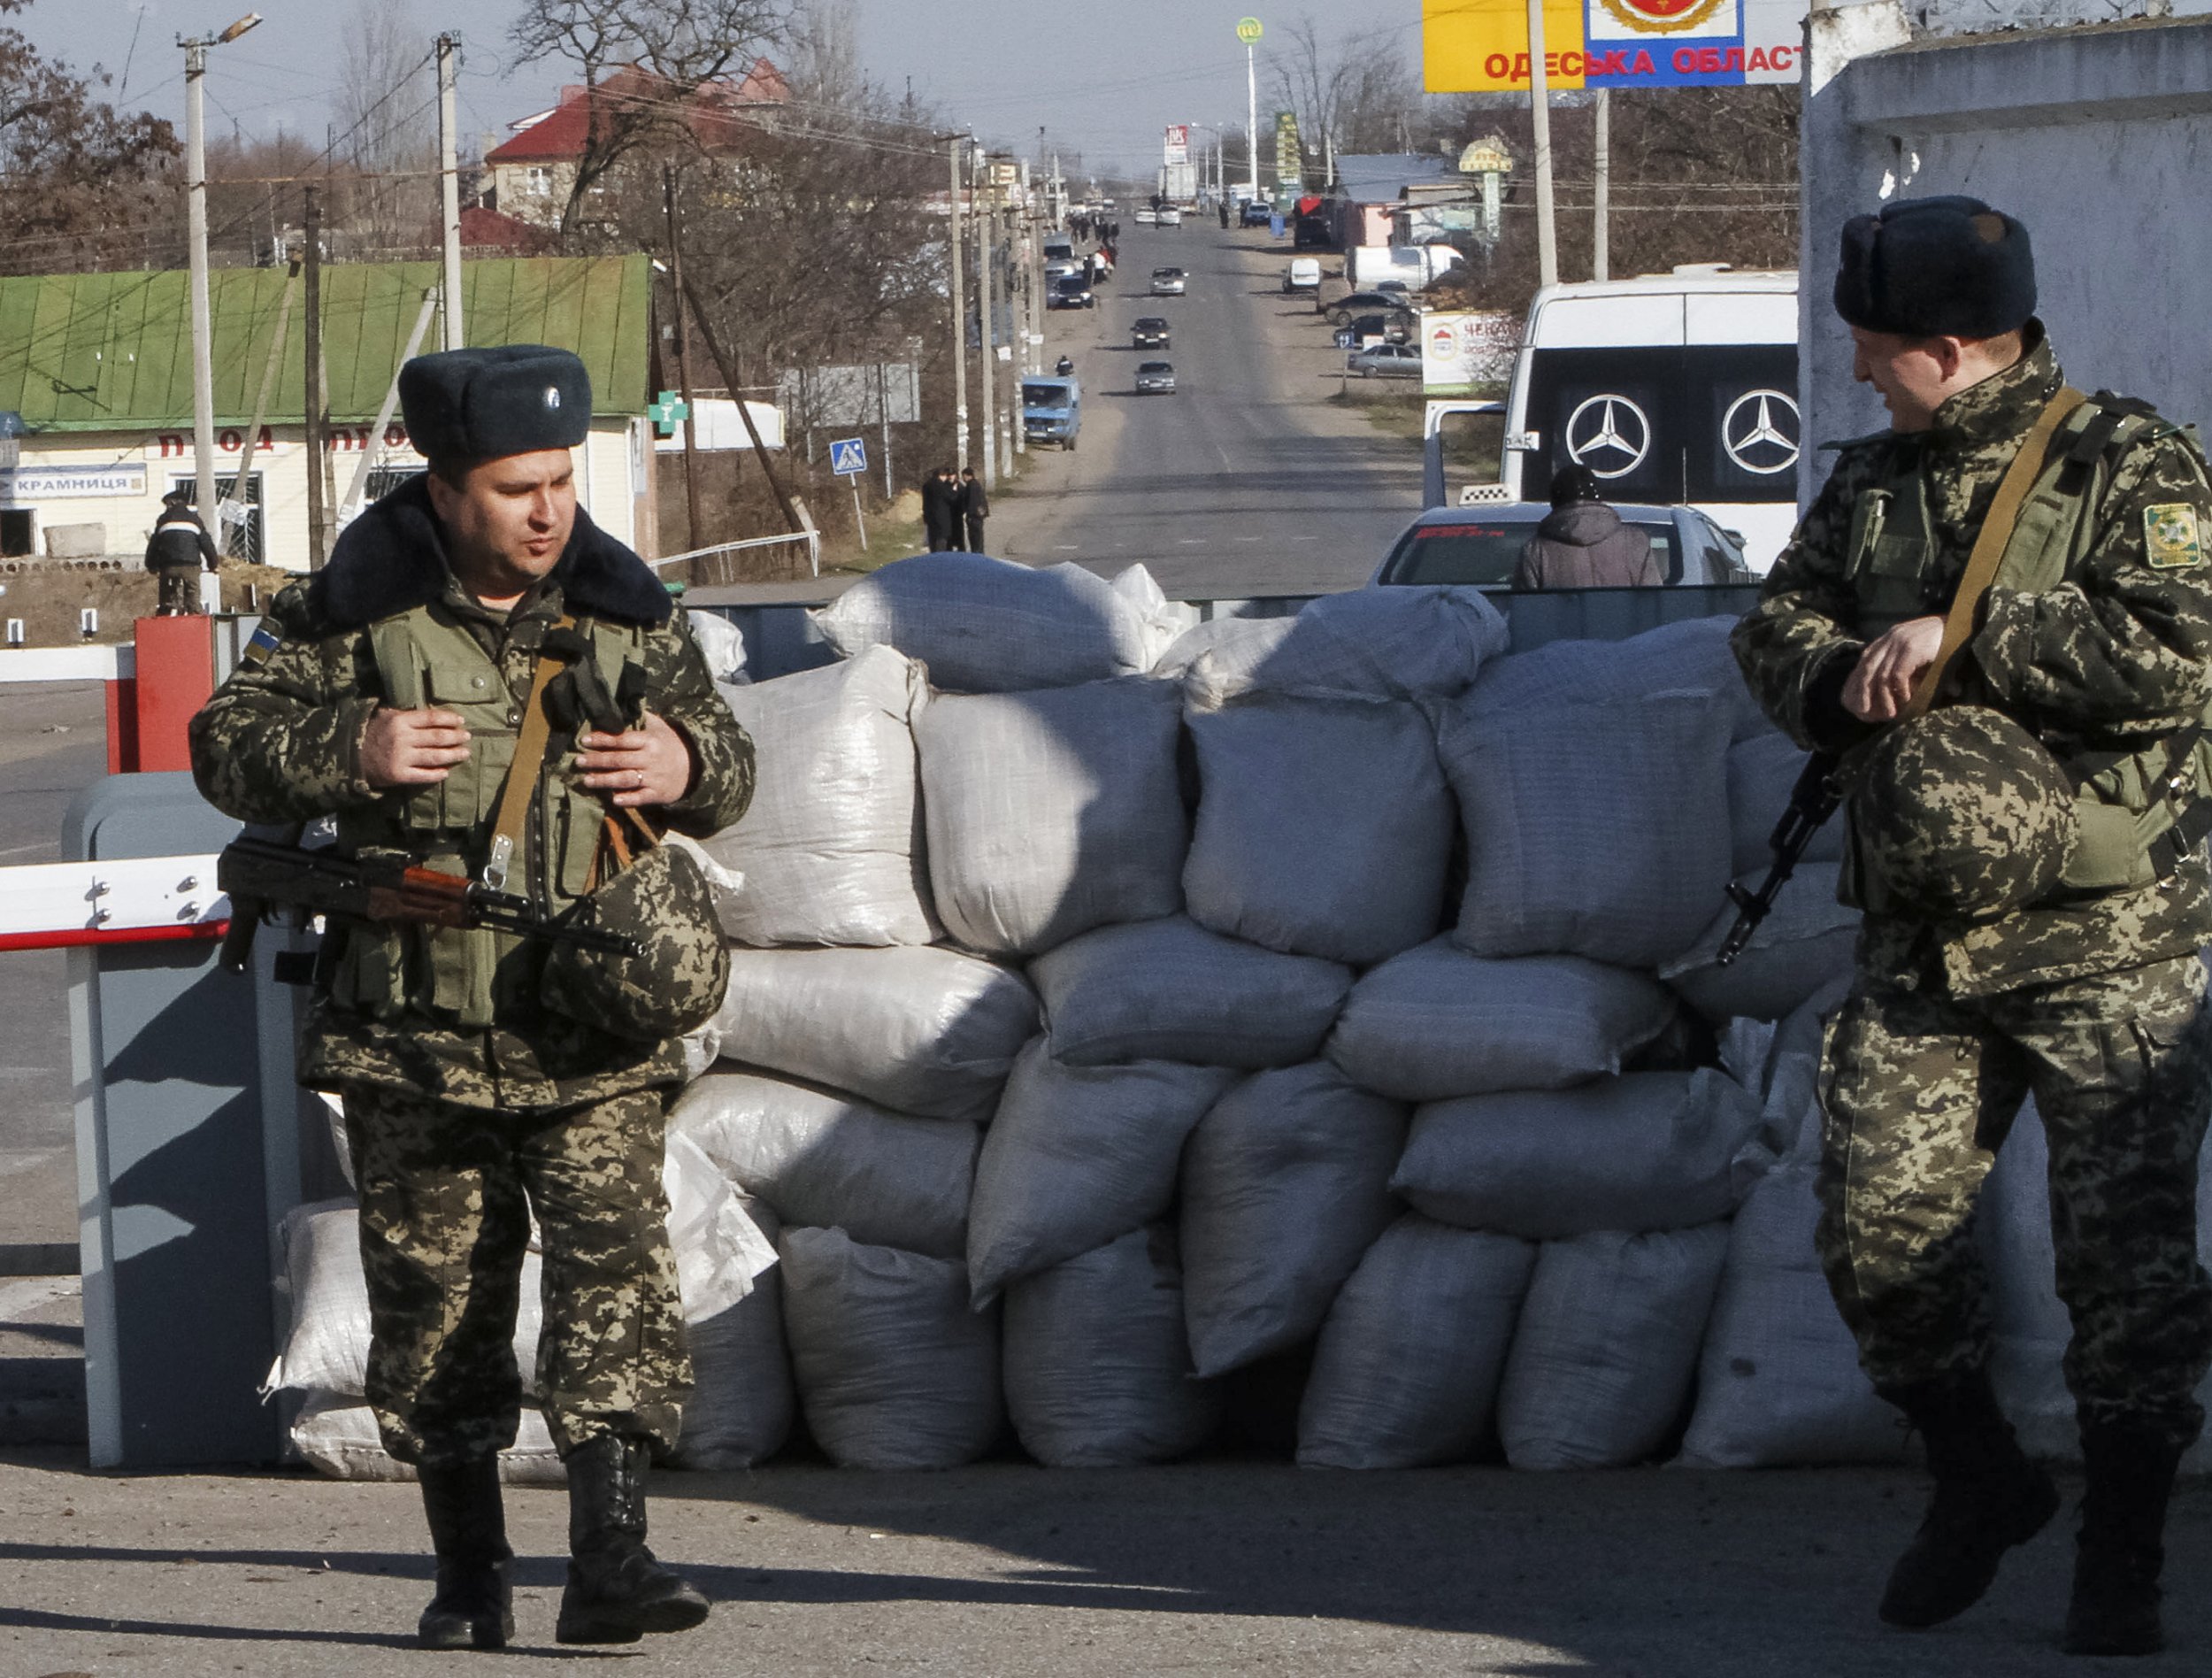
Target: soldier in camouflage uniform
{"x": 387, "y": 694}
{"x": 2031, "y": 926}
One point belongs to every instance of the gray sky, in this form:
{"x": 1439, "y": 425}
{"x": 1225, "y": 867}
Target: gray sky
{"x": 1104, "y": 78}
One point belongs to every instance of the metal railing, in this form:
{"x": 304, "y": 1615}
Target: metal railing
{"x": 812, "y": 538}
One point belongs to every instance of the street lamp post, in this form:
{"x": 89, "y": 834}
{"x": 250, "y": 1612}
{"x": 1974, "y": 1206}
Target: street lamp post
{"x": 1249, "y": 31}
{"x": 196, "y": 226}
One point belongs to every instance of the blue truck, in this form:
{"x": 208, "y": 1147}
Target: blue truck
{"x": 1052, "y": 411}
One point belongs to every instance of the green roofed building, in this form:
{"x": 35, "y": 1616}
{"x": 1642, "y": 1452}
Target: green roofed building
{"x": 98, "y": 367}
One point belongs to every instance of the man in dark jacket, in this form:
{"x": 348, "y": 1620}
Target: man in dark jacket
{"x": 175, "y": 552}
{"x": 1583, "y": 544}
{"x": 937, "y": 510}
{"x": 975, "y": 507}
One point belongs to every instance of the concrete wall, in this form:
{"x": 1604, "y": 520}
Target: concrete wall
{"x": 2099, "y": 139}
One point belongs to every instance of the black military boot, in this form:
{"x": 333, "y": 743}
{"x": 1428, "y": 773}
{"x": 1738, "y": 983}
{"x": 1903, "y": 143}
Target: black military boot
{"x": 474, "y": 1605}
{"x": 1988, "y": 1497}
{"x": 2121, "y": 1549}
{"x": 617, "y": 1591}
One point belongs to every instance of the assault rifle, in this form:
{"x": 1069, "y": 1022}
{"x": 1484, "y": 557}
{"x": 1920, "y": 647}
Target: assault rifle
{"x": 257, "y": 872}
{"x": 1812, "y": 801}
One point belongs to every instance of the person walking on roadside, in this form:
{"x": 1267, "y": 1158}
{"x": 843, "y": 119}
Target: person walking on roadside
{"x": 1582, "y": 543}
{"x": 940, "y": 520}
{"x": 175, "y": 553}
{"x": 975, "y": 507}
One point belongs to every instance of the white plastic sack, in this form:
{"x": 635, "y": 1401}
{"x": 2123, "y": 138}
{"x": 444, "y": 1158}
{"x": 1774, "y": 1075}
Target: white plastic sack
{"x": 1645, "y": 1151}
{"x": 719, "y": 1249}
{"x": 1779, "y": 1381}
{"x": 1053, "y": 812}
{"x": 987, "y": 625}
{"x": 1285, "y": 1185}
{"x": 1436, "y": 1022}
{"x": 1077, "y": 1157}
{"x": 1597, "y": 830}
{"x": 819, "y": 1158}
{"x": 723, "y": 645}
{"x": 1418, "y": 643}
{"x": 742, "y": 1401}
{"x": 931, "y": 1032}
{"x": 1762, "y": 773}
{"x": 1098, "y": 1375}
{"x": 1803, "y": 946}
{"x": 1606, "y": 1346}
{"x": 828, "y": 845}
{"x": 1169, "y": 989}
{"x": 1233, "y": 644}
{"x": 893, "y": 1370}
{"x": 1324, "y": 827}
{"x": 1165, "y": 621}
{"x": 335, "y": 1434}
{"x": 1408, "y": 1369}
{"x": 1690, "y": 655}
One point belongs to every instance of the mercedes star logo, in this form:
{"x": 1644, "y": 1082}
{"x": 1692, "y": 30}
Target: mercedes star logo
{"x": 1760, "y": 432}
{"x": 1609, "y": 435}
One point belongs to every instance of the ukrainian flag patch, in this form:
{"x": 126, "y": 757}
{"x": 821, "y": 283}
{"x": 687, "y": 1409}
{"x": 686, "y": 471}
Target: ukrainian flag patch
{"x": 2171, "y": 538}
{"x": 265, "y": 641}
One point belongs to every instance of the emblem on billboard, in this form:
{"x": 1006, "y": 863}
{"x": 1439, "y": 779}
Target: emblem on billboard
{"x": 1663, "y": 16}
{"x": 1609, "y": 435}
{"x": 1762, "y": 431}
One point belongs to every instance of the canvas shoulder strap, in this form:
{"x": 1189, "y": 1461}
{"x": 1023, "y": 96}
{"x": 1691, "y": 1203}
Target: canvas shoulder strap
{"x": 522, "y": 776}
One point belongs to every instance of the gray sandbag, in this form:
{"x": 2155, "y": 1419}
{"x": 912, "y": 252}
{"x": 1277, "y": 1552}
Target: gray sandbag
{"x": 1285, "y": 1185}
{"x": 1805, "y": 943}
{"x": 1324, "y": 827}
{"x": 1436, "y": 1022}
{"x": 1238, "y": 644}
{"x": 1053, "y": 812}
{"x": 987, "y": 626}
{"x": 1693, "y": 655}
{"x": 722, "y": 644}
{"x": 1077, "y": 1157}
{"x": 1426, "y": 641}
{"x": 931, "y": 1032}
{"x": 1169, "y": 989}
{"x": 1098, "y": 1373}
{"x": 742, "y": 1401}
{"x": 1778, "y": 1380}
{"x": 893, "y": 1370}
{"x": 1407, "y": 1368}
{"x": 1593, "y": 829}
{"x": 1645, "y": 1151}
{"x": 823, "y": 1159}
{"x": 828, "y": 847}
{"x": 1790, "y": 1119}
{"x": 1762, "y": 773}
{"x": 335, "y": 1434}
{"x": 1606, "y": 1346}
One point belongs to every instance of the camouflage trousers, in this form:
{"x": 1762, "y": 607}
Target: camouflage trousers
{"x": 1918, "y": 1091}
{"x": 446, "y": 1197}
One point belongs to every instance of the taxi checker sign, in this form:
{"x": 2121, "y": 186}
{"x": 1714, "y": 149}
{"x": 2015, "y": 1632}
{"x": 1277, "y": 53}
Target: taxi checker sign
{"x": 1762, "y": 431}
{"x": 1609, "y": 435}
{"x": 849, "y": 457}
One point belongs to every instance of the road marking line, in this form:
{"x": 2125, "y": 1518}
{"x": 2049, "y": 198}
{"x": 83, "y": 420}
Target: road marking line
{"x": 1066, "y": 547}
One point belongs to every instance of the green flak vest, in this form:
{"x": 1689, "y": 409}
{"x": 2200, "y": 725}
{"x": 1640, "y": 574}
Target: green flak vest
{"x": 2125, "y": 802}
{"x": 466, "y": 977}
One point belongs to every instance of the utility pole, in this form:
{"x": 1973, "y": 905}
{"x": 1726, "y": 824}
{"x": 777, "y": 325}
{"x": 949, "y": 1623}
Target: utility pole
{"x": 1539, "y": 118}
{"x": 195, "y": 231}
{"x": 959, "y": 314}
{"x": 450, "y": 187}
{"x": 317, "y": 439}
{"x": 986, "y": 212}
{"x": 1249, "y": 31}
{"x": 1600, "y": 234}
{"x": 692, "y": 538}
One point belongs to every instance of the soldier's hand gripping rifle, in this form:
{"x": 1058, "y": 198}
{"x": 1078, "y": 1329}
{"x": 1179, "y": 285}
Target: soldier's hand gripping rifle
{"x": 1812, "y": 801}
{"x": 257, "y": 871}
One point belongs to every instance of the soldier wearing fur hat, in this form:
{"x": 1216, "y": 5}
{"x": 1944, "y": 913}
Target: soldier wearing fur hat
{"x": 388, "y": 693}
{"x": 1998, "y": 612}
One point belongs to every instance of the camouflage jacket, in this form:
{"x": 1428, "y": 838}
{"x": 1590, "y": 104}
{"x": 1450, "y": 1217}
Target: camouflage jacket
{"x": 2119, "y": 652}
{"x": 281, "y": 742}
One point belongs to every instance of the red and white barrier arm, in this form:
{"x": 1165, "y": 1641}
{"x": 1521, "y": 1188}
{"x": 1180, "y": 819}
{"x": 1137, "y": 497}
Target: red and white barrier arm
{"x": 58, "y": 905}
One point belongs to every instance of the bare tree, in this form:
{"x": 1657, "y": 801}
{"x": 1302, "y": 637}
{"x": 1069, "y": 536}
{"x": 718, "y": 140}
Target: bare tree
{"x": 1356, "y": 89}
{"x": 387, "y": 128}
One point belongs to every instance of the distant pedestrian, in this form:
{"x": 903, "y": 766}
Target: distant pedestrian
{"x": 938, "y": 529}
{"x": 1224, "y": 207}
{"x": 175, "y": 552}
{"x": 975, "y": 507}
{"x": 1582, "y": 543}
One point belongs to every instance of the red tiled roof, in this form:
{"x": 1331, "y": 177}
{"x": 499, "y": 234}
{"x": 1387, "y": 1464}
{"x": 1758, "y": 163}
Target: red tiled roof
{"x": 558, "y": 136}
{"x": 483, "y": 229}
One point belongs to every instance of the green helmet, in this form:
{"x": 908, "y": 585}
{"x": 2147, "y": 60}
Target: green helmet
{"x": 1960, "y": 813}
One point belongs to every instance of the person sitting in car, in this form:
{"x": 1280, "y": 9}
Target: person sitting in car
{"x": 1582, "y": 543}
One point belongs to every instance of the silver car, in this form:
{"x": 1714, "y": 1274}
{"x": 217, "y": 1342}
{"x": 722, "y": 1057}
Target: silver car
{"x": 1480, "y": 543}
{"x": 1156, "y": 378}
{"x": 1386, "y": 361}
{"x": 1167, "y": 282}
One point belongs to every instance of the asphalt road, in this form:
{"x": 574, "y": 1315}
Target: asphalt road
{"x": 1247, "y": 480}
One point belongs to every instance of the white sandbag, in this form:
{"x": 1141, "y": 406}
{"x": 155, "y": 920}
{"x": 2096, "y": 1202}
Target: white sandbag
{"x": 1645, "y": 1151}
{"x": 719, "y": 1249}
{"x": 1806, "y": 941}
{"x": 1285, "y": 1185}
{"x": 1762, "y": 771}
{"x": 1693, "y": 654}
{"x": 1779, "y": 1381}
{"x": 1165, "y": 621}
{"x": 987, "y": 625}
{"x": 1606, "y": 1346}
{"x": 827, "y": 846}
{"x": 1597, "y": 830}
{"x": 1052, "y": 811}
{"x": 1407, "y": 1368}
{"x": 722, "y": 643}
{"x": 335, "y": 1434}
{"x": 820, "y": 1157}
{"x": 1169, "y": 989}
{"x": 1324, "y": 827}
{"x": 931, "y": 1032}
{"x": 893, "y": 1370}
{"x": 1234, "y": 643}
{"x": 1436, "y": 1022}
{"x": 1077, "y": 1157}
{"x": 1098, "y": 1375}
{"x": 1418, "y": 643}
{"x": 742, "y": 1401}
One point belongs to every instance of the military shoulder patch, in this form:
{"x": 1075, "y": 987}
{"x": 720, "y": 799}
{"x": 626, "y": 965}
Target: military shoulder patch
{"x": 2171, "y": 538}
{"x": 264, "y": 642}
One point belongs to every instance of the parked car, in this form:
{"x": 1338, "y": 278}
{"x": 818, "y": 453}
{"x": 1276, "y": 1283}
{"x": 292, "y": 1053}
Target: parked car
{"x": 1303, "y": 275}
{"x": 1481, "y": 545}
{"x": 1386, "y": 361}
{"x": 1149, "y": 332}
{"x": 1167, "y": 282}
{"x": 1360, "y": 302}
{"x": 1146, "y": 217}
{"x": 1052, "y": 410}
{"x": 1156, "y": 378}
{"x": 1258, "y": 212}
{"x": 1397, "y": 289}
{"x": 1070, "y": 291}
{"x": 1362, "y": 329}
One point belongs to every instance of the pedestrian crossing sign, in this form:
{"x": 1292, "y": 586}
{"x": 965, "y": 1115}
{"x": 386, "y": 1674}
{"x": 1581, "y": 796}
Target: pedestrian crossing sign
{"x": 849, "y": 456}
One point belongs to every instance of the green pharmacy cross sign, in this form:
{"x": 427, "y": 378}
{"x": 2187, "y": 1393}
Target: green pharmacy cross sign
{"x": 668, "y": 411}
